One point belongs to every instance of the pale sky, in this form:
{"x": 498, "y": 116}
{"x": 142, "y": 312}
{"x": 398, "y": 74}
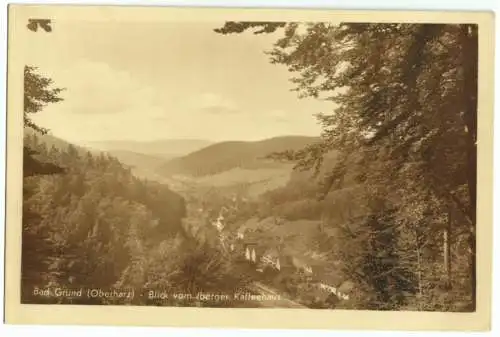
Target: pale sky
{"x": 157, "y": 80}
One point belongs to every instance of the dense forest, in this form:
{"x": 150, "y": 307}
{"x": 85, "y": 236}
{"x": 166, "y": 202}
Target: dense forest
{"x": 88, "y": 222}
{"x": 402, "y": 194}
{"x": 91, "y": 223}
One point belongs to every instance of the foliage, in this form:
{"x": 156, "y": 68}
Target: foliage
{"x": 403, "y": 120}
{"x": 37, "y": 94}
{"x": 82, "y": 227}
{"x": 191, "y": 267}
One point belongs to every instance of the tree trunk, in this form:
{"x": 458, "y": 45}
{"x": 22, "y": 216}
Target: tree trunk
{"x": 446, "y": 251}
{"x": 419, "y": 270}
{"x": 469, "y": 42}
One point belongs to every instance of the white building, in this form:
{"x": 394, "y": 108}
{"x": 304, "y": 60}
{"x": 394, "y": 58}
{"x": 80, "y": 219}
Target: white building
{"x": 334, "y": 291}
{"x": 247, "y": 254}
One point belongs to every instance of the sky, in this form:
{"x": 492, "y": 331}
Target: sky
{"x": 165, "y": 80}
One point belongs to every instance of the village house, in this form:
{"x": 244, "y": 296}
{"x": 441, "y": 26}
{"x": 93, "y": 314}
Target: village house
{"x": 250, "y": 251}
{"x": 219, "y": 223}
{"x": 302, "y": 265}
{"x": 271, "y": 259}
{"x": 342, "y": 291}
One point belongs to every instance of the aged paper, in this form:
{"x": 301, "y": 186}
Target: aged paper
{"x": 249, "y": 168}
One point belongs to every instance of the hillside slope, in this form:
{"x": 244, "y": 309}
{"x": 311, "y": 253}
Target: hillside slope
{"x": 166, "y": 149}
{"x": 83, "y": 224}
{"x": 138, "y": 161}
{"x": 225, "y": 156}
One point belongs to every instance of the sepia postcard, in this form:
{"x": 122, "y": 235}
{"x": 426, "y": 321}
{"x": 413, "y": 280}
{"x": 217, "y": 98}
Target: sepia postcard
{"x": 251, "y": 168}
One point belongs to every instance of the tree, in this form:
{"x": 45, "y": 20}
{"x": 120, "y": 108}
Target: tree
{"x": 79, "y": 230}
{"x": 404, "y": 110}
{"x": 37, "y": 94}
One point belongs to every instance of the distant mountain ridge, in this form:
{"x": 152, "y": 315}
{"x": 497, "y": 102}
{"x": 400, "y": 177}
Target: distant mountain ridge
{"x": 165, "y": 148}
{"x": 224, "y": 156}
{"x": 137, "y": 160}
{"x": 231, "y": 165}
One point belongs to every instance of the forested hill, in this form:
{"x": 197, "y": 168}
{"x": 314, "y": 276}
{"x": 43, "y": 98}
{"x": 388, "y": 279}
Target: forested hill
{"x": 165, "y": 148}
{"x": 224, "y": 156}
{"x": 87, "y": 221}
{"x": 138, "y": 162}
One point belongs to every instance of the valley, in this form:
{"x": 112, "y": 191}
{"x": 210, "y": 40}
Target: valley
{"x": 177, "y": 181}
{"x": 228, "y": 206}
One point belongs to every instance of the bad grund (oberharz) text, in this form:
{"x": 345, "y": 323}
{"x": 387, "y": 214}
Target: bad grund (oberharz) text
{"x": 81, "y": 292}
